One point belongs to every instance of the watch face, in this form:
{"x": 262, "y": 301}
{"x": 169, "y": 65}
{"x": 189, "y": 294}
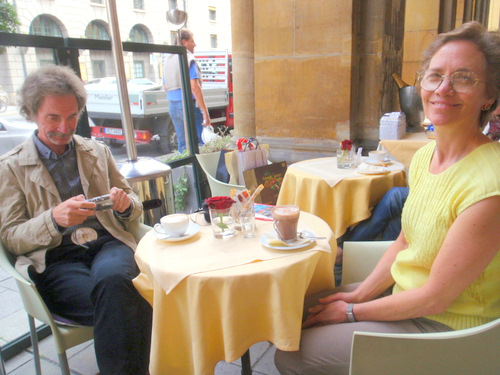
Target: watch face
{"x": 81, "y": 236}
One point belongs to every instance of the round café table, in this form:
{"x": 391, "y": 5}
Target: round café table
{"x": 218, "y": 314}
{"x": 403, "y": 149}
{"x": 307, "y": 184}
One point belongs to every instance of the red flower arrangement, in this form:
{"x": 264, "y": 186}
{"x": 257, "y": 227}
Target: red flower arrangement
{"x": 220, "y": 207}
{"x": 219, "y": 203}
{"x": 346, "y": 145}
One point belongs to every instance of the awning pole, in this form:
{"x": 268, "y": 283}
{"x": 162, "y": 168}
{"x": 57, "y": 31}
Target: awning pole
{"x": 117, "y": 49}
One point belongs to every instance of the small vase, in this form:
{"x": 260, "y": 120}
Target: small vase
{"x": 345, "y": 158}
{"x": 223, "y": 223}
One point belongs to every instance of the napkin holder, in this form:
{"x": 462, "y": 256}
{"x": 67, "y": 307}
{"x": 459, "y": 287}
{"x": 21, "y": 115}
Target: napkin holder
{"x": 392, "y": 126}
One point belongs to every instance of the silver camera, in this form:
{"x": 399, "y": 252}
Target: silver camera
{"x": 102, "y": 202}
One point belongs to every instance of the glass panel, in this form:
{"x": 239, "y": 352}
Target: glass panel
{"x": 213, "y": 41}
{"x": 153, "y": 129}
{"x": 212, "y": 14}
{"x": 138, "y": 4}
{"x": 139, "y": 69}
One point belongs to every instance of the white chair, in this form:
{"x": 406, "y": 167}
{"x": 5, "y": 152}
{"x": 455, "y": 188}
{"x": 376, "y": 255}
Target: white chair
{"x": 65, "y": 336}
{"x": 360, "y": 258}
{"x": 208, "y": 162}
{"x": 469, "y": 351}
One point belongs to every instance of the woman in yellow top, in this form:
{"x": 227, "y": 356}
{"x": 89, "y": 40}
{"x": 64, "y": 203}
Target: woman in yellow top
{"x": 443, "y": 271}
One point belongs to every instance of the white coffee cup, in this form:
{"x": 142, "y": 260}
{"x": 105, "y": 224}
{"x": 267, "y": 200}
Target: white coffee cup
{"x": 174, "y": 225}
{"x": 378, "y": 155}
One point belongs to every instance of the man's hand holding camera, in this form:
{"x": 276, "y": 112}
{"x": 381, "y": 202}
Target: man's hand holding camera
{"x": 75, "y": 210}
{"x": 120, "y": 198}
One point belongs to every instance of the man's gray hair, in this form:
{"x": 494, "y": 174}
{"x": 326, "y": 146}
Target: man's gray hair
{"x": 50, "y": 80}
{"x": 186, "y": 34}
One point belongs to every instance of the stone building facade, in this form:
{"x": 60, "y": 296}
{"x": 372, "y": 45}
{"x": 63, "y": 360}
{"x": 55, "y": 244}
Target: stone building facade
{"x": 310, "y": 73}
{"x": 139, "y": 21}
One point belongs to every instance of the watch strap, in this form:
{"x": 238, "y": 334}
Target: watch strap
{"x": 350, "y": 314}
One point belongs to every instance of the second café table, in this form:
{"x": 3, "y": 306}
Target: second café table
{"x": 404, "y": 149}
{"x": 345, "y": 203}
{"x": 217, "y": 315}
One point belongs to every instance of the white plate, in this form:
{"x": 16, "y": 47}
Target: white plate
{"x": 382, "y": 170}
{"x": 264, "y": 242}
{"x": 193, "y": 228}
{"x": 376, "y": 162}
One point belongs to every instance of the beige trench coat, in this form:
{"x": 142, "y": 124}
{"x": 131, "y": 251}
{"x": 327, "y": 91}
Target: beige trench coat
{"x": 28, "y": 194}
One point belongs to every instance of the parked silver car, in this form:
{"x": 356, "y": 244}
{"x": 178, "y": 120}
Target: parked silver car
{"x": 133, "y": 84}
{"x": 13, "y": 131}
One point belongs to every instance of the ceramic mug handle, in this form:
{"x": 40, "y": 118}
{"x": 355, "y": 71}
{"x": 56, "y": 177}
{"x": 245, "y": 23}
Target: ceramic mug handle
{"x": 158, "y": 229}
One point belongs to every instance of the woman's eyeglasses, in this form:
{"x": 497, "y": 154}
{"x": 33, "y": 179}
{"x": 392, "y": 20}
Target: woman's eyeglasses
{"x": 462, "y": 82}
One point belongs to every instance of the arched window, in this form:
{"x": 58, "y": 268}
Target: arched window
{"x": 138, "y": 35}
{"x": 45, "y": 25}
{"x": 96, "y": 30}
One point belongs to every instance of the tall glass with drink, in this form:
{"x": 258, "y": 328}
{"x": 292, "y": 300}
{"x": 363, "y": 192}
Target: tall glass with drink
{"x": 286, "y": 220}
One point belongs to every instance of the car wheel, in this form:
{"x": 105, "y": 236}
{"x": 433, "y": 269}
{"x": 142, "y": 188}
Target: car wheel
{"x": 168, "y": 137}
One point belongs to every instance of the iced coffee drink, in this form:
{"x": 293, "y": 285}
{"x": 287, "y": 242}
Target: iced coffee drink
{"x": 286, "y": 219}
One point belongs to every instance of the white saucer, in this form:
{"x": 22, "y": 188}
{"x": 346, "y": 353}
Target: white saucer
{"x": 300, "y": 245}
{"x": 193, "y": 228}
{"x": 382, "y": 170}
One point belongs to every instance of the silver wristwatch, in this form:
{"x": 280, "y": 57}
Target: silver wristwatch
{"x": 350, "y": 315}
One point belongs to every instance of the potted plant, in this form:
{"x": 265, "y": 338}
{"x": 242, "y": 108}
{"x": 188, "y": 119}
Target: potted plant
{"x": 218, "y": 144}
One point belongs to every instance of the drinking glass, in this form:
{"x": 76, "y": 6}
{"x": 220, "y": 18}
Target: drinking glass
{"x": 247, "y": 222}
{"x": 223, "y": 224}
{"x": 345, "y": 158}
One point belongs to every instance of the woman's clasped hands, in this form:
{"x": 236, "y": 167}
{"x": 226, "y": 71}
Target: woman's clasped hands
{"x": 330, "y": 310}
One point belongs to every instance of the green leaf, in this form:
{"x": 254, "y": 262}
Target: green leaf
{"x": 8, "y": 17}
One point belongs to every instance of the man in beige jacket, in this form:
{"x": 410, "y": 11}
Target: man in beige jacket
{"x": 81, "y": 259}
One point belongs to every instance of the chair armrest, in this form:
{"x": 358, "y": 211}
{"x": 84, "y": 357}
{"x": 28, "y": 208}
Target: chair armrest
{"x": 138, "y": 229}
{"x": 468, "y": 351}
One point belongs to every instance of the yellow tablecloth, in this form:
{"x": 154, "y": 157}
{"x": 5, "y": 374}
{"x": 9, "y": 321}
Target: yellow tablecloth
{"x": 218, "y": 315}
{"x": 404, "y": 149}
{"x": 342, "y": 205}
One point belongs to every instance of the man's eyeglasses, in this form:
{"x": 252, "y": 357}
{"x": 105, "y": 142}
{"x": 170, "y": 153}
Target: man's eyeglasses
{"x": 462, "y": 82}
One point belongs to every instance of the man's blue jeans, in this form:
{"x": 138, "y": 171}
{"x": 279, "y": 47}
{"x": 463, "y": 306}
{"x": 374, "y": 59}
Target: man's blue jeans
{"x": 385, "y": 219}
{"x": 177, "y": 115}
{"x": 94, "y": 287}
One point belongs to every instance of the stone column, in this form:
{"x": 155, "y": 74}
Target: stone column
{"x": 242, "y": 26}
